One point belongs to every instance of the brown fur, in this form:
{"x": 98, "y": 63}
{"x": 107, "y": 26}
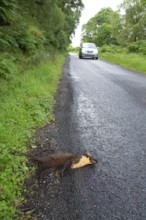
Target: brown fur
{"x": 60, "y": 161}
{"x": 63, "y": 161}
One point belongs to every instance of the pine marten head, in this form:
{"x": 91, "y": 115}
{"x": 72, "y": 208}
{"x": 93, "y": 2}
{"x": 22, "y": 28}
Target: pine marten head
{"x": 84, "y": 160}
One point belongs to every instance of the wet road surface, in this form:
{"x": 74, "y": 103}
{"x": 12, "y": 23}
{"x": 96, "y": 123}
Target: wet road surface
{"x": 107, "y": 118}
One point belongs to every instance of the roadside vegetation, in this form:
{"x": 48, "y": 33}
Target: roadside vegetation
{"x": 34, "y": 36}
{"x": 27, "y": 103}
{"x": 120, "y": 35}
{"x": 123, "y": 57}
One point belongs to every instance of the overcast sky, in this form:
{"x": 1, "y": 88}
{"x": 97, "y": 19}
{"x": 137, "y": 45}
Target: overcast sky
{"x": 92, "y": 7}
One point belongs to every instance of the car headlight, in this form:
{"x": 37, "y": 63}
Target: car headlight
{"x": 83, "y": 50}
{"x": 96, "y": 51}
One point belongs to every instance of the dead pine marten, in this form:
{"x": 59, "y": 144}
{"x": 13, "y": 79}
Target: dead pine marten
{"x": 62, "y": 161}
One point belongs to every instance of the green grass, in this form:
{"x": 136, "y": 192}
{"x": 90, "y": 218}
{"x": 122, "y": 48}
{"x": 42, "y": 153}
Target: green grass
{"x": 27, "y": 102}
{"x": 134, "y": 62}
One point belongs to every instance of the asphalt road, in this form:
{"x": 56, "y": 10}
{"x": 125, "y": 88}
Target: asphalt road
{"x": 106, "y": 115}
{"x": 101, "y": 108}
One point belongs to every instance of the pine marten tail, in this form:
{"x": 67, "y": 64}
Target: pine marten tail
{"x": 32, "y": 157}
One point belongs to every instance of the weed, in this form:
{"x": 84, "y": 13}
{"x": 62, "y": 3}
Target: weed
{"x": 132, "y": 61}
{"x": 26, "y": 102}
{"x": 7, "y": 69}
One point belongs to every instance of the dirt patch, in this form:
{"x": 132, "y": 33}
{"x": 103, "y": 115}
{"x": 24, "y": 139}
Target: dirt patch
{"x": 45, "y": 200}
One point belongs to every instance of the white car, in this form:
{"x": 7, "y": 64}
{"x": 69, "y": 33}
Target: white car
{"x": 88, "y": 50}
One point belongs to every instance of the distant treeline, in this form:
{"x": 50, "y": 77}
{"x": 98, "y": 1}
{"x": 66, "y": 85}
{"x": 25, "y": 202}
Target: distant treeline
{"x": 125, "y": 27}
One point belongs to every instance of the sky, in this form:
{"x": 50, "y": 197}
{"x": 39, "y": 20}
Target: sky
{"x": 92, "y": 7}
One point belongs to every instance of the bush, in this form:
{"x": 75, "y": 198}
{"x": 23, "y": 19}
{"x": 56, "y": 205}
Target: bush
{"x": 26, "y": 102}
{"x": 39, "y": 57}
{"x": 30, "y": 39}
{"x": 3, "y": 43}
{"x": 7, "y": 40}
{"x": 133, "y": 47}
{"x": 137, "y": 47}
{"x": 105, "y": 48}
{"x": 111, "y": 49}
{"x": 142, "y": 47}
{"x": 7, "y": 69}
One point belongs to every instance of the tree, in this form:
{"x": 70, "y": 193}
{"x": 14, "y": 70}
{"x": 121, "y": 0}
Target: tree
{"x": 134, "y": 26}
{"x": 127, "y": 25}
{"x": 104, "y": 35}
{"x": 38, "y": 23}
{"x": 7, "y": 11}
{"x": 99, "y": 29}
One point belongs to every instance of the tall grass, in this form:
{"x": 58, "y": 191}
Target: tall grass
{"x": 26, "y": 102}
{"x": 133, "y": 61}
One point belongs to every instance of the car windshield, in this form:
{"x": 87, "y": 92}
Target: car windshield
{"x": 88, "y": 45}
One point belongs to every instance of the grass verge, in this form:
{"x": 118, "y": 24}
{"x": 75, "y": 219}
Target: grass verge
{"x": 26, "y": 102}
{"x": 134, "y": 62}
